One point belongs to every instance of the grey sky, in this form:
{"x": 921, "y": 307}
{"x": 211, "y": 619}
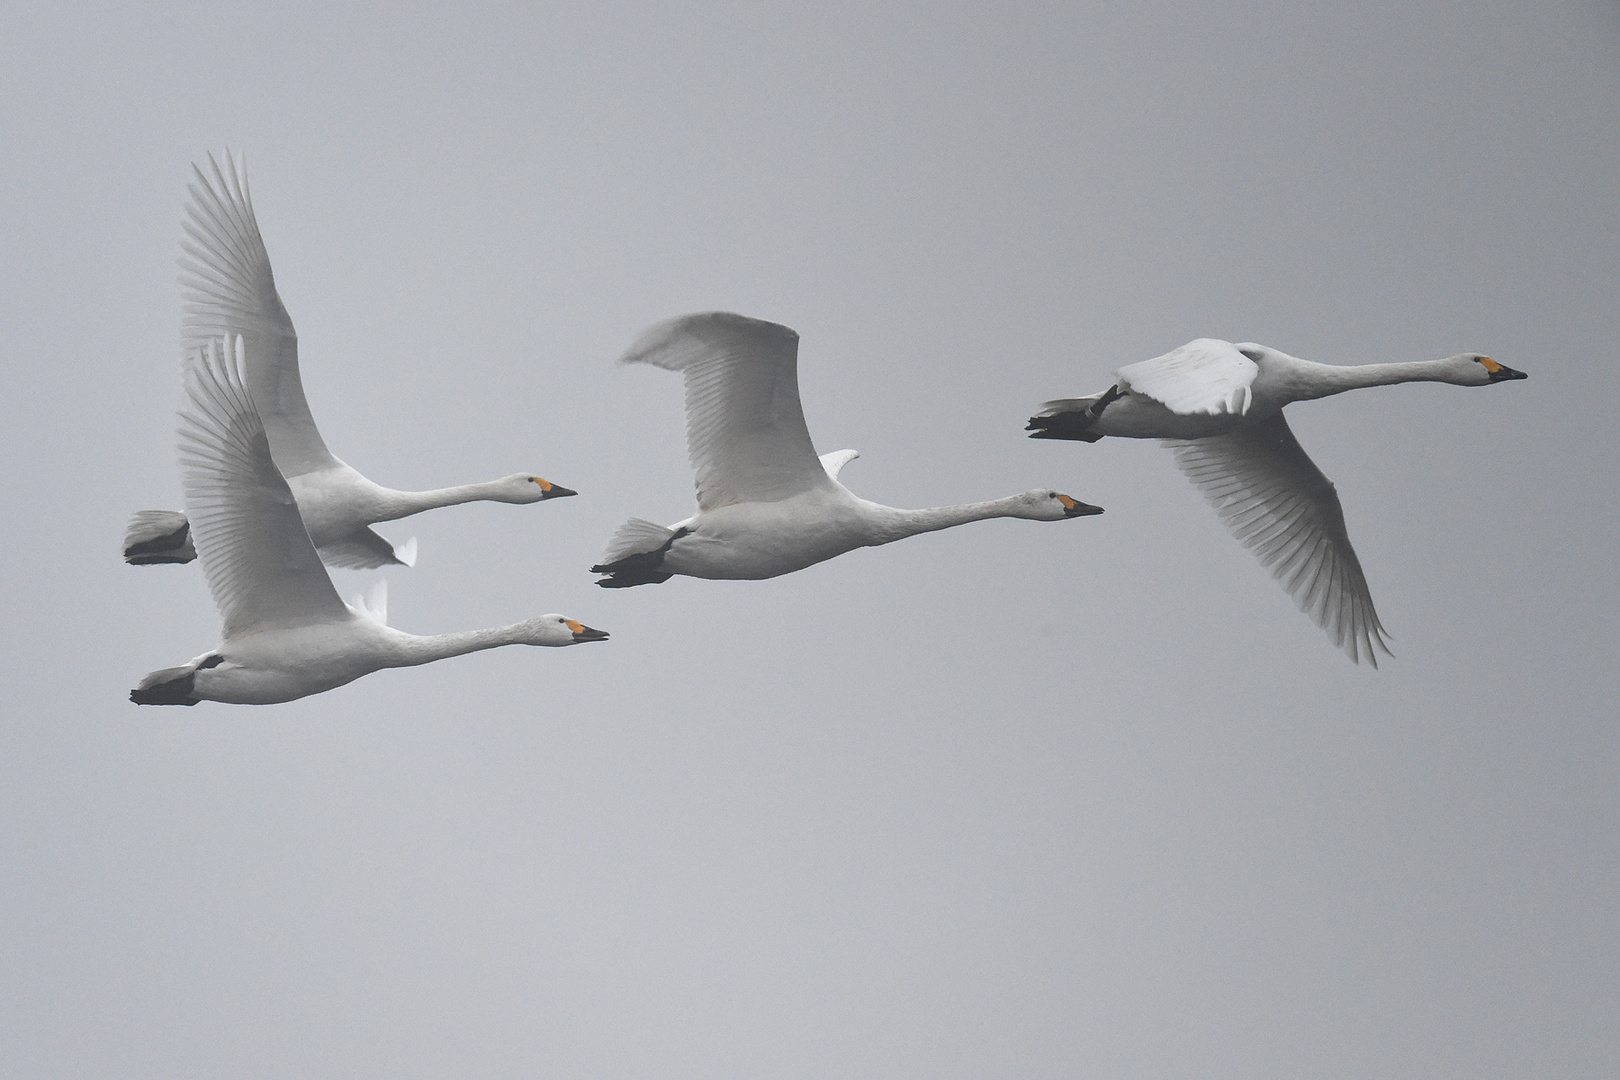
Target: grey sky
{"x": 1017, "y": 799}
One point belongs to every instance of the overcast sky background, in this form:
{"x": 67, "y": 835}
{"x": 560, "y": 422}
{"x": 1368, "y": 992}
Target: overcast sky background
{"x": 1020, "y": 799}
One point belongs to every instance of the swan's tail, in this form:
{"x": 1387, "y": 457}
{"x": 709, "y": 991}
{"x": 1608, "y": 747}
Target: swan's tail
{"x": 1071, "y": 418}
{"x": 635, "y": 555}
{"x": 158, "y": 536}
{"x": 171, "y": 686}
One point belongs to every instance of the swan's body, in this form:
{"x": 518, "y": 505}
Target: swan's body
{"x": 229, "y": 291}
{"x": 767, "y": 505}
{"x": 1219, "y": 406}
{"x": 286, "y": 634}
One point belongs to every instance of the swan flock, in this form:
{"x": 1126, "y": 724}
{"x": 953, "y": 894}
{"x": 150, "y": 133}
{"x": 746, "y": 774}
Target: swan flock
{"x": 269, "y": 507}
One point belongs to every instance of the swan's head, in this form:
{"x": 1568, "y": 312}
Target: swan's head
{"x": 1044, "y": 504}
{"x": 558, "y": 630}
{"x": 526, "y": 488}
{"x": 1474, "y": 369}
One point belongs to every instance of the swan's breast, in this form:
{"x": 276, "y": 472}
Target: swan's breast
{"x": 279, "y": 664}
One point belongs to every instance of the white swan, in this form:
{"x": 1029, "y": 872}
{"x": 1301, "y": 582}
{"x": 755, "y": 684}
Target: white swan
{"x": 766, "y": 504}
{"x": 287, "y": 635}
{"x": 229, "y": 290}
{"x": 1219, "y": 406}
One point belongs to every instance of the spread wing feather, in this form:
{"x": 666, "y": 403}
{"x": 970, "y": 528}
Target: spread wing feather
{"x": 745, "y": 430}
{"x": 1203, "y": 376}
{"x": 228, "y": 290}
{"x": 260, "y": 564}
{"x": 1278, "y": 504}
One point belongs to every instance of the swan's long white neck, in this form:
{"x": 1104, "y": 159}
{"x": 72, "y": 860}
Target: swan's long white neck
{"x": 411, "y": 649}
{"x": 398, "y": 504}
{"x": 891, "y": 523}
{"x": 1312, "y": 380}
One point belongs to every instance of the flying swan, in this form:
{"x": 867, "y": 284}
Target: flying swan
{"x": 1219, "y": 408}
{"x": 287, "y": 635}
{"x": 229, "y": 290}
{"x": 766, "y": 504}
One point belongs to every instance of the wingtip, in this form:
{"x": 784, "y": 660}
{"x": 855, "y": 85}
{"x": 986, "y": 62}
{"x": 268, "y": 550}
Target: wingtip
{"x": 406, "y": 553}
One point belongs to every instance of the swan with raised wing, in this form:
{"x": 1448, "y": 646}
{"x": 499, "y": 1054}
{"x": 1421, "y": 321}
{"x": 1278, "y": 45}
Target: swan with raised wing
{"x": 286, "y": 633}
{"x": 229, "y": 290}
{"x": 1219, "y": 408}
{"x": 767, "y": 505}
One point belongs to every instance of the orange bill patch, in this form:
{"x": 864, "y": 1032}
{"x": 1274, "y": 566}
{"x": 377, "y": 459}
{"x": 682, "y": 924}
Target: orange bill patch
{"x": 1068, "y": 503}
{"x": 576, "y": 627}
{"x": 545, "y": 485}
{"x": 1490, "y": 365}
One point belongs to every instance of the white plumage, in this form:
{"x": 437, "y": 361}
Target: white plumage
{"x": 1219, "y": 408}
{"x": 767, "y": 505}
{"x": 1203, "y": 376}
{"x": 230, "y": 292}
{"x": 286, "y": 632}
{"x": 745, "y": 431}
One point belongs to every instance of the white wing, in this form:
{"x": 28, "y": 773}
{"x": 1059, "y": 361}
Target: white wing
{"x": 1203, "y": 376}
{"x": 1280, "y": 506}
{"x": 745, "y": 431}
{"x": 260, "y": 564}
{"x": 228, "y": 290}
{"x": 834, "y": 462}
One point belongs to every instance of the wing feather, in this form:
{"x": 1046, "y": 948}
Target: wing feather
{"x": 363, "y": 549}
{"x": 260, "y": 564}
{"x": 228, "y": 290}
{"x": 1202, "y": 376}
{"x": 745, "y": 430}
{"x": 1277, "y": 503}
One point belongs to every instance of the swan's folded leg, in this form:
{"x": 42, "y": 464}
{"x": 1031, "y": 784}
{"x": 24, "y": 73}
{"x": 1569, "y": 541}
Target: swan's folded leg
{"x": 635, "y": 555}
{"x": 158, "y": 536}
